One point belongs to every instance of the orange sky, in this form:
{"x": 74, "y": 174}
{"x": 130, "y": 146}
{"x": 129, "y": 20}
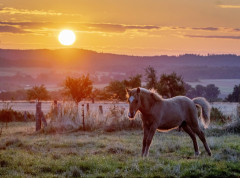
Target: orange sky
{"x": 135, "y": 27}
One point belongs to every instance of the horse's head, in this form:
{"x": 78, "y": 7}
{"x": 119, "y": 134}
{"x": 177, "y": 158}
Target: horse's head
{"x": 134, "y": 101}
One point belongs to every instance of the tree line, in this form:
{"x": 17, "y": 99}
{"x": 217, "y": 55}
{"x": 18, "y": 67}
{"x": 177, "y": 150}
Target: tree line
{"x": 167, "y": 85}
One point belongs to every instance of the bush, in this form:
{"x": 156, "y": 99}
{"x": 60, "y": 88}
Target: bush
{"x": 120, "y": 122}
{"x": 234, "y": 127}
{"x": 110, "y": 119}
{"x": 9, "y": 115}
{"x": 66, "y": 120}
{"x": 218, "y": 116}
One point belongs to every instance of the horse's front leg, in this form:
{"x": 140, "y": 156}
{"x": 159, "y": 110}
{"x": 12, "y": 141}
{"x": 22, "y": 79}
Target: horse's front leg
{"x": 149, "y": 139}
{"x": 145, "y": 134}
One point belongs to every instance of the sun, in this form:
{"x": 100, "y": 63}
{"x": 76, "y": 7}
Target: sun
{"x": 66, "y": 37}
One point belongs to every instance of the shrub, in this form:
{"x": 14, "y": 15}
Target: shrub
{"x": 112, "y": 119}
{"x": 218, "y": 116}
{"x": 9, "y": 115}
{"x": 74, "y": 172}
{"x": 234, "y": 127}
{"x": 119, "y": 121}
{"x": 67, "y": 119}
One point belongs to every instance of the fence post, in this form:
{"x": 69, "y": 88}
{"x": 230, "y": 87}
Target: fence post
{"x": 25, "y": 116}
{"x": 55, "y": 110}
{"x": 238, "y": 111}
{"x": 87, "y": 107}
{"x": 100, "y": 109}
{"x": 59, "y": 107}
{"x": 38, "y": 116}
{"x": 43, "y": 119}
{"x": 83, "y": 117}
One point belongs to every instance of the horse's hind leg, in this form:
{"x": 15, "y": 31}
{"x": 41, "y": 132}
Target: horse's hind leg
{"x": 188, "y": 130}
{"x": 201, "y": 135}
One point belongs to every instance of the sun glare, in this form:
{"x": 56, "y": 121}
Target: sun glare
{"x": 66, "y": 37}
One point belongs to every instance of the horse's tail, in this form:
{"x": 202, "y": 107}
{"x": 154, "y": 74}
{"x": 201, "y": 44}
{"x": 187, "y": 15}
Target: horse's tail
{"x": 205, "y": 109}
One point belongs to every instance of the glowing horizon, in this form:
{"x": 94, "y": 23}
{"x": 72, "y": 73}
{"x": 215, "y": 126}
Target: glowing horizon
{"x": 135, "y": 27}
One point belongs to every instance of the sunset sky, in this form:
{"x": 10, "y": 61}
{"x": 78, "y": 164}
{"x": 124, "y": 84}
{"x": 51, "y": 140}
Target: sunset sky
{"x": 134, "y": 27}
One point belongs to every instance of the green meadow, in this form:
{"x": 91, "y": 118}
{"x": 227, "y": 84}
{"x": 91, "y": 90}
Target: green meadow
{"x": 23, "y": 153}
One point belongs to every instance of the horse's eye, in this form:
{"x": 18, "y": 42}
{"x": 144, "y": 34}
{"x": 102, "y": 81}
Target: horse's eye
{"x": 136, "y": 101}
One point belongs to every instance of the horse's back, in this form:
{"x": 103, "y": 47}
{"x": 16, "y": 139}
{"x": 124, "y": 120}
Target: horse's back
{"x": 172, "y": 112}
{"x": 187, "y": 106}
{"x": 182, "y": 102}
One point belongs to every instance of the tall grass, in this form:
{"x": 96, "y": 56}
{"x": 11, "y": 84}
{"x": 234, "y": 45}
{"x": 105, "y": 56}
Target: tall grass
{"x": 70, "y": 118}
{"x": 119, "y": 120}
{"x": 7, "y": 114}
{"x": 218, "y": 117}
{"x": 233, "y": 127}
{"x": 67, "y": 118}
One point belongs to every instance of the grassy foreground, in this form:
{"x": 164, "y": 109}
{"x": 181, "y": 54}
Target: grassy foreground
{"x": 116, "y": 154}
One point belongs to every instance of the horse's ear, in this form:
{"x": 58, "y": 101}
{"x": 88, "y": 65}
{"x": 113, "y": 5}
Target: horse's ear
{"x": 138, "y": 90}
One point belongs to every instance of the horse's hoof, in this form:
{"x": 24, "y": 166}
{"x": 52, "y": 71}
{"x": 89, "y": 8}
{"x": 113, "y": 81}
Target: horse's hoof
{"x": 197, "y": 153}
{"x": 209, "y": 154}
{"x": 145, "y": 155}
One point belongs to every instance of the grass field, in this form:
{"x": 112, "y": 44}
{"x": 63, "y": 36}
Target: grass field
{"x": 117, "y": 154}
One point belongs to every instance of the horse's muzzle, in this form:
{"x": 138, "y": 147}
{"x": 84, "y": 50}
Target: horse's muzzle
{"x": 131, "y": 115}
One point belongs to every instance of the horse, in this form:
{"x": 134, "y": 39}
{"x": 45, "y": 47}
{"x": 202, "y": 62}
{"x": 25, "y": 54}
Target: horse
{"x": 168, "y": 114}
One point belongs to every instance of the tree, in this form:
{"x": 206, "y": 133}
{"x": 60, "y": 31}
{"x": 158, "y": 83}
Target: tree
{"x": 211, "y": 92}
{"x": 101, "y": 94}
{"x": 17, "y": 95}
{"x": 116, "y": 88}
{"x": 235, "y": 95}
{"x": 151, "y": 78}
{"x": 171, "y": 85}
{"x": 38, "y": 93}
{"x": 78, "y": 88}
{"x": 200, "y": 90}
{"x": 133, "y": 82}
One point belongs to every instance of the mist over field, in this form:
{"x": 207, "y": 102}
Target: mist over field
{"x": 22, "y": 69}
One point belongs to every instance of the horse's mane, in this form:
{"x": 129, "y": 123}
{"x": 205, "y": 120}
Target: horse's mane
{"x": 146, "y": 93}
{"x": 151, "y": 92}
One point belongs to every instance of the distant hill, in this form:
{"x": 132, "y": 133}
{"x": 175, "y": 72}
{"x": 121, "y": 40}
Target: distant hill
{"x": 191, "y": 66}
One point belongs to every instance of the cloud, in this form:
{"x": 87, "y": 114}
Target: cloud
{"x": 142, "y": 27}
{"x": 117, "y": 28}
{"x": 229, "y": 6}
{"x": 216, "y": 37}
{"x": 236, "y": 29}
{"x": 43, "y": 27}
{"x": 13, "y": 11}
{"x": 30, "y": 25}
{"x": 10, "y": 29}
{"x": 207, "y": 28}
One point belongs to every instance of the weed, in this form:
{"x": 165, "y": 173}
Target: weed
{"x": 234, "y": 127}
{"x": 73, "y": 172}
{"x": 9, "y": 115}
{"x": 119, "y": 149}
{"x": 217, "y": 116}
